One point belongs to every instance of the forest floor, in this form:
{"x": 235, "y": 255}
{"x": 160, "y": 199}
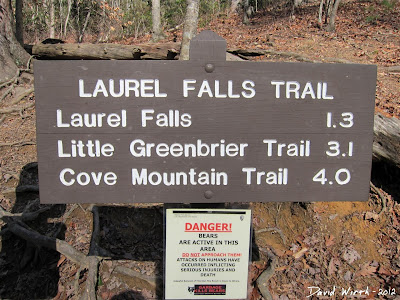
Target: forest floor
{"x": 345, "y": 245}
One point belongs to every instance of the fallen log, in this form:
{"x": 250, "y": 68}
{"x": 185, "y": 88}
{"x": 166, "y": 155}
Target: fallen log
{"x": 262, "y": 52}
{"x": 393, "y": 69}
{"x": 386, "y": 147}
{"x": 106, "y": 51}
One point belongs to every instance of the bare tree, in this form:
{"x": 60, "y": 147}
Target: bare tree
{"x": 327, "y": 13}
{"x": 67, "y": 17}
{"x": 11, "y": 51}
{"x": 332, "y": 16}
{"x": 82, "y": 33}
{"x": 234, "y": 6}
{"x": 52, "y": 19}
{"x": 156, "y": 14}
{"x": 248, "y": 11}
{"x": 190, "y": 27}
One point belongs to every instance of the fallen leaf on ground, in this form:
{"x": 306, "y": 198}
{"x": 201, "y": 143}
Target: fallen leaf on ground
{"x": 300, "y": 253}
{"x": 371, "y": 216}
{"x": 61, "y": 260}
{"x": 351, "y": 255}
{"x": 367, "y": 270}
{"x": 383, "y": 271}
{"x": 332, "y": 267}
{"x": 329, "y": 241}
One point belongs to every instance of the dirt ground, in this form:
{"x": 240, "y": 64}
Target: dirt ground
{"x": 344, "y": 245}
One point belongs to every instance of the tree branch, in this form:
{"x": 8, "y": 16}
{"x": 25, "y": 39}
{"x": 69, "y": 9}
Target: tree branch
{"x": 262, "y": 280}
{"x": 381, "y": 196}
{"x": 132, "y": 273}
{"x": 18, "y": 144}
{"x": 91, "y": 281}
{"x": 6, "y": 92}
{"x": 16, "y": 109}
{"x": 24, "y": 232}
{"x": 22, "y": 96}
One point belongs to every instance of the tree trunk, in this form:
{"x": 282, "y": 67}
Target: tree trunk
{"x": 156, "y": 14}
{"x": 19, "y": 22}
{"x": 332, "y": 16}
{"x": 11, "y": 51}
{"x": 190, "y": 27}
{"x": 67, "y": 17}
{"x": 80, "y": 39}
{"x": 52, "y": 23}
{"x": 234, "y": 6}
{"x": 320, "y": 12}
{"x": 248, "y": 11}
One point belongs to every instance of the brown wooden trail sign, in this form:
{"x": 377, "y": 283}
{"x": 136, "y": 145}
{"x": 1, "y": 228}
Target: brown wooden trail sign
{"x": 203, "y": 130}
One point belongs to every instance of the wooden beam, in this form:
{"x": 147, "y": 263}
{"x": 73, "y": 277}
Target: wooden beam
{"x": 106, "y": 51}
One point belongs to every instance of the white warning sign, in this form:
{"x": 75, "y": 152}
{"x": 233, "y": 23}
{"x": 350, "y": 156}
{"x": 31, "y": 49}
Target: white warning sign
{"x": 207, "y": 253}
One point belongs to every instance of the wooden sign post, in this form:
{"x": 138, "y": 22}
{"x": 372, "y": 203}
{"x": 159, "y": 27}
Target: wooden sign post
{"x": 204, "y": 130}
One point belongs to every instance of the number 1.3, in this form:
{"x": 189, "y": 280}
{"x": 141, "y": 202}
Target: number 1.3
{"x": 345, "y": 122}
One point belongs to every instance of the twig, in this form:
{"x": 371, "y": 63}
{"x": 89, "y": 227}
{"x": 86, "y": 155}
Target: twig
{"x": 16, "y": 109}
{"x": 177, "y": 27}
{"x": 2, "y": 119}
{"x": 262, "y": 280}
{"x": 22, "y": 189}
{"x": 11, "y": 173}
{"x": 69, "y": 212}
{"x": 22, "y": 96}
{"x": 25, "y": 216}
{"x": 28, "y": 65}
{"x": 24, "y": 232}
{"x": 52, "y": 243}
{"x": 381, "y": 196}
{"x": 6, "y": 93}
{"x": 132, "y": 273}
{"x": 18, "y": 144}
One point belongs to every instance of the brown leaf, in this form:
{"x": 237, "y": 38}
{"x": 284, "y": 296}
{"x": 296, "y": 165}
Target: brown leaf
{"x": 367, "y": 270}
{"x": 61, "y": 260}
{"x": 351, "y": 255}
{"x": 329, "y": 241}
{"x": 300, "y": 253}
{"x": 386, "y": 272}
{"x": 383, "y": 271}
{"x": 282, "y": 268}
{"x": 332, "y": 267}
{"x": 371, "y": 216}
